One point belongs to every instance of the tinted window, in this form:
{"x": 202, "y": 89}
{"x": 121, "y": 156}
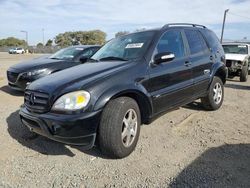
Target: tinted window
{"x": 212, "y": 39}
{"x": 196, "y": 42}
{"x": 171, "y": 41}
{"x": 89, "y": 52}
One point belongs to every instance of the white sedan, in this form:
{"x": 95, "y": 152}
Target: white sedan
{"x": 16, "y": 51}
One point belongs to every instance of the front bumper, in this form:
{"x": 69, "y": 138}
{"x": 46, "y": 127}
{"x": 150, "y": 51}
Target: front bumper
{"x": 20, "y": 82}
{"x": 234, "y": 66}
{"x": 75, "y": 129}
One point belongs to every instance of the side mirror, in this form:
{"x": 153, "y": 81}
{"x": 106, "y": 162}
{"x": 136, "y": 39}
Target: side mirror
{"x": 84, "y": 59}
{"x": 163, "y": 57}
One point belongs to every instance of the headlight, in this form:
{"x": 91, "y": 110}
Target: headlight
{"x": 72, "y": 101}
{"x": 37, "y": 72}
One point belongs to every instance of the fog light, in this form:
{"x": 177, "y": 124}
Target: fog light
{"x": 55, "y": 129}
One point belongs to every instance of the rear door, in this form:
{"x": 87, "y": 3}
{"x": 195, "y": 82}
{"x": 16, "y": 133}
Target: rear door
{"x": 170, "y": 82}
{"x": 201, "y": 58}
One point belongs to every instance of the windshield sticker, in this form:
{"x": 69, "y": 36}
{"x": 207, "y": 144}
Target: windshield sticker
{"x": 134, "y": 45}
{"x": 79, "y": 48}
{"x": 240, "y": 46}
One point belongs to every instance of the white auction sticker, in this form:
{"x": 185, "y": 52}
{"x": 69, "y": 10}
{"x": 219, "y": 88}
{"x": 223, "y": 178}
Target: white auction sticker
{"x": 79, "y": 48}
{"x": 240, "y": 46}
{"x": 134, "y": 45}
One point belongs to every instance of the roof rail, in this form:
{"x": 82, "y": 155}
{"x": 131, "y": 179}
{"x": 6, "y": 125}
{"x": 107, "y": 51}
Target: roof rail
{"x": 183, "y": 24}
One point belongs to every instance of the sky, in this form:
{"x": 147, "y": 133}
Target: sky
{"x": 111, "y": 16}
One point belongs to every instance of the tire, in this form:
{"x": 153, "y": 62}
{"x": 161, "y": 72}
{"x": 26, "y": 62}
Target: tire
{"x": 244, "y": 74}
{"x": 211, "y": 102}
{"x": 112, "y": 126}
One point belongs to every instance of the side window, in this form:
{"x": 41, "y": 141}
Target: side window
{"x": 88, "y": 52}
{"x": 171, "y": 41}
{"x": 212, "y": 39}
{"x": 196, "y": 42}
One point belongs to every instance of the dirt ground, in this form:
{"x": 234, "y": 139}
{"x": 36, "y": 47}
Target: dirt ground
{"x": 188, "y": 147}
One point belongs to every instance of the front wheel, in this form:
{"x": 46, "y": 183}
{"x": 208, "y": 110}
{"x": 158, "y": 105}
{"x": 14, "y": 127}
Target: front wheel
{"x": 244, "y": 74}
{"x": 119, "y": 127}
{"x": 214, "y": 99}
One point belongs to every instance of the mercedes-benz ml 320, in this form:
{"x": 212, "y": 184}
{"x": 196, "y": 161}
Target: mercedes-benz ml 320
{"x": 130, "y": 81}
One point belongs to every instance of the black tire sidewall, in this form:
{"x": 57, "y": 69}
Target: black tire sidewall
{"x": 127, "y": 150}
{"x": 213, "y": 105}
{"x": 244, "y": 74}
{"x": 112, "y": 145}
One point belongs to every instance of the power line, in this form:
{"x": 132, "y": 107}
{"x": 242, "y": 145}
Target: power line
{"x": 239, "y": 15}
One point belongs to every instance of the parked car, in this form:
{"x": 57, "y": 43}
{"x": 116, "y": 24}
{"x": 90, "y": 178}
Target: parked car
{"x": 22, "y": 74}
{"x": 237, "y": 59}
{"x": 130, "y": 81}
{"x": 16, "y": 51}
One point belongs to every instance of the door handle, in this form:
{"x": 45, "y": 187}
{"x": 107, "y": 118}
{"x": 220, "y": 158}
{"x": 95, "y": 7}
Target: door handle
{"x": 187, "y": 63}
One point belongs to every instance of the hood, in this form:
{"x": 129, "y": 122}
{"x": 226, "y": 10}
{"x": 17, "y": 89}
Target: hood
{"x": 77, "y": 77}
{"x": 40, "y": 62}
{"x": 236, "y": 57}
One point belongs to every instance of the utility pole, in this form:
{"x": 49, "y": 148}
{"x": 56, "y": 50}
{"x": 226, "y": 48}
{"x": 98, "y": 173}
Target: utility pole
{"x": 43, "y": 36}
{"x": 26, "y": 32}
{"x": 223, "y": 25}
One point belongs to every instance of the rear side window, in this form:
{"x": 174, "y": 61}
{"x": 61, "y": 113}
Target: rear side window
{"x": 212, "y": 39}
{"x": 171, "y": 41}
{"x": 196, "y": 42}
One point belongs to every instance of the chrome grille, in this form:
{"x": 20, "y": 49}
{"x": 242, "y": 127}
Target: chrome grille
{"x": 37, "y": 102}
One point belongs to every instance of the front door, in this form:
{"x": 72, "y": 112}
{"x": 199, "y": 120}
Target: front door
{"x": 170, "y": 82}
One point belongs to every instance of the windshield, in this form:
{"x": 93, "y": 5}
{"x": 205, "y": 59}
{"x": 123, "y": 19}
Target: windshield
{"x": 235, "y": 49}
{"x": 67, "y": 53}
{"x": 126, "y": 47}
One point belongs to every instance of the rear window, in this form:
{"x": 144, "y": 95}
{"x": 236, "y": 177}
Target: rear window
{"x": 196, "y": 42}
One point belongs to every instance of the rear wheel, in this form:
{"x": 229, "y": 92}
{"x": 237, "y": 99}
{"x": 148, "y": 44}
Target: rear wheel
{"x": 244, "y": 74}
{"x": 214, "y": 99}
{"x": 119, "y": 127}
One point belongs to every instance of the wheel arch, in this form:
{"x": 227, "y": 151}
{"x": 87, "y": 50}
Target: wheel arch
{"x": 221, "y": 72}
{"x": 140, "y": 97}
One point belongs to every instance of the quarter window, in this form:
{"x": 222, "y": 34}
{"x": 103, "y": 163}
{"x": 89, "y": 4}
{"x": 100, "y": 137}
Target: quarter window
{"x": 171, "y": 41}
{"x": 196, "y": 42}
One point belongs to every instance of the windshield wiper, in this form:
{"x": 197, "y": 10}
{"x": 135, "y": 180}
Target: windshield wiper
{"x": 54, "y": 58}
{"x": 112, "y": 58}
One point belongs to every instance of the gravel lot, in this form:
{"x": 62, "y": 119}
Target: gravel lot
{"x": 188, "y": 147}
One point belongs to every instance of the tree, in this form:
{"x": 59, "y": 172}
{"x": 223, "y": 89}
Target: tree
{"x": 80, "y": 37}
{"x": 39, "y": 45}
{"x": 12, "y": 41}
{"x": 121, "y": 33}
{"x": 49, "y": 43}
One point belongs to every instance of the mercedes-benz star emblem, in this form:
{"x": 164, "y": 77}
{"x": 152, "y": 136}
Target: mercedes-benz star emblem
{"x": 32, "y": 99}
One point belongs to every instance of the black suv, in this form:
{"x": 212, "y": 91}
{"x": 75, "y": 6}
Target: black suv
{"x": 130, "y": 81}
